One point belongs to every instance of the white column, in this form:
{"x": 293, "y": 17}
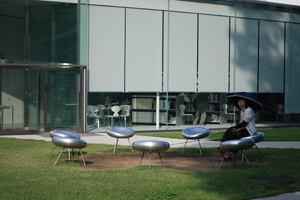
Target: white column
{"x": 157, "y": 110}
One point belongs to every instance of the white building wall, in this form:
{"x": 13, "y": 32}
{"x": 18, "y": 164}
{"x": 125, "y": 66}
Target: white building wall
{"x": 143, "y": 65}
{"x": 213, "y": 62}
{"x": 182, "y": 73}
{"x": 106, "y": 48}
{"x": 271, "y": 57}
{"x": 255, "y": 48}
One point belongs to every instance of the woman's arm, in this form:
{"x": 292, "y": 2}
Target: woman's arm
{"x": 240, "y": 125}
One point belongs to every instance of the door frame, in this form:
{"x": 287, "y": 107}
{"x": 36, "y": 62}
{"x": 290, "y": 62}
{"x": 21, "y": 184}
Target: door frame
{"x": 25, "y": 67}
{"x": 83, "y": 95}
{"x": 78, "y": 127}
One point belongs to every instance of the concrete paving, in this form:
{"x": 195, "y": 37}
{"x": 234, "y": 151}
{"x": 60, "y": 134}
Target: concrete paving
{"x": 286, "y": 196}
{"x": 103, "y": 138}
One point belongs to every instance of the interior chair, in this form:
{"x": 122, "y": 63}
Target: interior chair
{"x": 226, "y": 114}
{"x": 91, "y": 110}
{"x": 125, "y": 112}
{"x": 92, "y": 113}
{"x": 183, "y": 114}
{"x": 115, "y": 110}
{"x": 101, "y": 115}
{"x": 281, "y": 112}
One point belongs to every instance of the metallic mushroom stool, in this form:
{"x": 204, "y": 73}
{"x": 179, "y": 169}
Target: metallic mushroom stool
{"x": 69, "y": 143}
{"x": 257, "y": 137}
{"x": 63, "y": 133}
{"x": 120, "y": 132}
{"x": 235, "y": 146}
{"x": 151, "y": 146}
{"x": 195, "y": 133}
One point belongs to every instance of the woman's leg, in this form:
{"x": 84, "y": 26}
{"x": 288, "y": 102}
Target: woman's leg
{"x": 230, "y": 134}
{"x": 242, "y": 133}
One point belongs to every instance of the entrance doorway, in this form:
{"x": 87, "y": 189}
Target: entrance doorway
{"x": 37, "y": 98}
{"x": 62, "y": 99}
{"x": 19, "y": 99}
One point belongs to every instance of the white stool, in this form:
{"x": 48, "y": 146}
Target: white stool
{"x": 151, "y": 146}
{"x": 120, "y": 132}
{"x": 63, "y": 133}
{"x": 69, "y": 143}
{"x": 195, "y": 133}
{"x": 235, "y": 146}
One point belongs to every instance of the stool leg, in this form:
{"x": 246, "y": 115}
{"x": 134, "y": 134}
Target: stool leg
{"x": 246, "y": 158}
{"x": 82, "y": 157}
{"x": 52, "y": 151}
{"x": 116, "y": 145}
{"x": 160, "y": 159}
{"x": 184, "y": 146}
{"x": 150, "y": 161}
{"x": 142, "y": 158}
{"x": 234, "y": 157}
{"x": 130, "y": 145}
{"x": 200, "y": 147}
{"x": 257, "y": 149}
{"x": 73, "y": 153}
{"x": 222, "y": 161}
{"x": 243, "y": 155}
{"x": 59, "y": 155}
{"x": 69, "y": 154}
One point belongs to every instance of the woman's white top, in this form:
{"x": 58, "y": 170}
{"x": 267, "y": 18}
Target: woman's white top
{"x": 247, "y": 115}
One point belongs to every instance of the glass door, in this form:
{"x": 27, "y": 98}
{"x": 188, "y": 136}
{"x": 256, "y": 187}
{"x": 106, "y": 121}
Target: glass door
{"x": 62, "y": 99}
{"x": 19, "y": 102}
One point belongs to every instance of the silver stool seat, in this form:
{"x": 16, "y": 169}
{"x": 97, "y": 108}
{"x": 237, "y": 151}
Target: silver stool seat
{"x": 120, "y": 132}
{"x": 69, "y": 143}
{"x": 150, "y": 146}
{"x": 195, "y": 133}
{"x": 237, "y": 145}
{"x": 63, "y": 133}
{"x": 258, "y": 137}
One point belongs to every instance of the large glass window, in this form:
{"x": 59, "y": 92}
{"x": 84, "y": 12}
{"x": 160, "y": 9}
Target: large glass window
{"x": 43, "y": 32}
{"x": 12, "y": 32}
{"x": 236, "y": 46}
{"x": 19, "y": 99}
{"x": 53, "y": 33}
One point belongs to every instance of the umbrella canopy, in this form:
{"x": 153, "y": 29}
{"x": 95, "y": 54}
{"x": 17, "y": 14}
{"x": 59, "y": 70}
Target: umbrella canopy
{"x": 251, "y": 100}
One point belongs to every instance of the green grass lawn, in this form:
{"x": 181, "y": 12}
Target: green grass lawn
{"x": 27, "y": 172}
{"x": 282, "y": 134}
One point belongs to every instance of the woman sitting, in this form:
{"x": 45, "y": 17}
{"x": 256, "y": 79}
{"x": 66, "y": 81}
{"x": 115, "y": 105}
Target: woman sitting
{"x": 244, "y": 128}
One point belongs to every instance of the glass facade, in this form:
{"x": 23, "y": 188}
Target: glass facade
{"x": 41, "y": 84}
{"x": 53, "y": 33}
{"x": 226, "y": 47}
{"x": 62, "y": 98}
{"x": 196, "y": 53}
{"x": 19, "y": 99}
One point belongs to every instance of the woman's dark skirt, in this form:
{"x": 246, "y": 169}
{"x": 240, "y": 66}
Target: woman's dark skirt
{"x": 234, "y": 134}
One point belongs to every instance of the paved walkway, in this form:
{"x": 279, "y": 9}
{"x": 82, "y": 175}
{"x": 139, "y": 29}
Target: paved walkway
{"x": 103, "y": 138}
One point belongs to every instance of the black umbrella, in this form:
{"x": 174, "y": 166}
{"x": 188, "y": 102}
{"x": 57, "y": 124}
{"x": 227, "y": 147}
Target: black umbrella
{"x": 252, "y": 101}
